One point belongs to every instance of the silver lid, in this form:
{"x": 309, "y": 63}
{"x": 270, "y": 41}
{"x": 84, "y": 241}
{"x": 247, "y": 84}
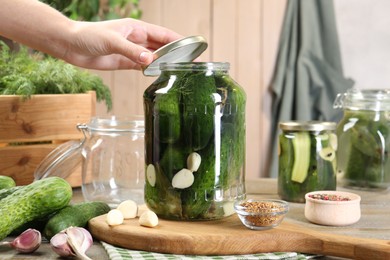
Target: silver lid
{"x": 307, "y": 126}
{"x": 182, "y": 50}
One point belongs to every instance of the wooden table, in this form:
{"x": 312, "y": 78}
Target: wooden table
{"x": 374, "y": 223}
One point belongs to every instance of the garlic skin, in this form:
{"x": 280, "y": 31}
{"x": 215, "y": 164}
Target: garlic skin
{"x": 27, "y": 242}
{"x": 73, "y": 241}
{"x": 59, "y": 244}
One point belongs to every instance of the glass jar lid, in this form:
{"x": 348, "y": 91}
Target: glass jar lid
{"x": 182, "y": 50}
{"x": 307, "y": 126}
{"x": 365, "y": 99}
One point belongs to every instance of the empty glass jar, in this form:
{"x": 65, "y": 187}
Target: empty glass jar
{"x": 113, "y": 160}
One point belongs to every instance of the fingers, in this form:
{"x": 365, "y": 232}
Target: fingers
{"x": 134, "y": 52}
{"x": 160, "y": 35}
{"x": 117, "y": 44}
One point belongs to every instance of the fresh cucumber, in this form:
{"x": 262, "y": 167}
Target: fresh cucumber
{"x": 33, "y": 201}
{"x": 76, "y": 215}
{"x": 8, "y": 191}
{"x": 6, "y": 182}
{"x": 301, "y": 144}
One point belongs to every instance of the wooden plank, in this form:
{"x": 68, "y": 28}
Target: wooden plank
{"x": 223, "y": 45}
{"x": 249, "y": 75}
{"x": 20, "y": 163}
{"x": 44, "y": 117}
{"x": 229, "y": 237}
{"x": 273, "y": 15}
{"x": 190, "y": 17}
{"x": 51, "y": 118}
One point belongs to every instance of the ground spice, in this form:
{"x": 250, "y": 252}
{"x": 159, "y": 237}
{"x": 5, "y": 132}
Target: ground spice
{"x": 330, "y": 197}
{"x": 263, "y": 207}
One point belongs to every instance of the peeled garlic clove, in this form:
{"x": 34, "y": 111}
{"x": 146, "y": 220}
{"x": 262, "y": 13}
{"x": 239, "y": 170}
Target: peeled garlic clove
{"x": 328, "y": 154}
{"x": 193, "y": 161}
{"x": 151, "y": 175}
{"x": 114, "y": 217}
{"x": 129, "y": 209}
{"x": 183, "y": 179}
{"x": 27, "y": 242}
{"x": 148, "y": 219}
{"x": 59, "y": 244}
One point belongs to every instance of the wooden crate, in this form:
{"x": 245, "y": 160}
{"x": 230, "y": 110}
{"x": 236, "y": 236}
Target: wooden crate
{"x": 30, "y": 129}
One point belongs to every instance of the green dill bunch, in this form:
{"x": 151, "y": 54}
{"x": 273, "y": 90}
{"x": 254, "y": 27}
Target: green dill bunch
{"x": 25, "y": 74}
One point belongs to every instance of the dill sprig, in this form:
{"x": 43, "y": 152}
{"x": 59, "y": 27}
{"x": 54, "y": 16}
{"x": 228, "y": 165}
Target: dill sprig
{"x": 25, "y": 74}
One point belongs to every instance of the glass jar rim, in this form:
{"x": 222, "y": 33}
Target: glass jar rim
{"x": 364, "y": 99}
{"x": 195, "y": 66}
{"x": 133, "y": 124}
{"x": 307, "y": 125}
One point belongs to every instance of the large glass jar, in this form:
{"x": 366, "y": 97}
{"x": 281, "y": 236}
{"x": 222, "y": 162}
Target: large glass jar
{"x": 195, "y": 141}
{"x": 364, "y": 139}
{"x": 113, "y": 160}
{"x": 307, "y": 158}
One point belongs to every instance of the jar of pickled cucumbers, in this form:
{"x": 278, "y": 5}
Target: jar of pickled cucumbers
{"x": 364, "y": 139}
{"x": 194, "y": 141}
{"x": 307, "y": 158}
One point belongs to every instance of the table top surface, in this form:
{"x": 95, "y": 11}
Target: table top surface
{"x": 374, "y": 222}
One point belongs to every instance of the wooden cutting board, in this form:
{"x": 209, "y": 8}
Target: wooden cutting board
{"x": 229, "y": 237}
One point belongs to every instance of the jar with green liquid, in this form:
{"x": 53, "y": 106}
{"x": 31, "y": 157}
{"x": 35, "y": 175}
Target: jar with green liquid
{"x": 364, "y": 139}
{"x": 307, "y": 158}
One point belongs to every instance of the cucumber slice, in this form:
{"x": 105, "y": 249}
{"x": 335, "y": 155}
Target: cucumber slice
{"x": 301, "y": 145}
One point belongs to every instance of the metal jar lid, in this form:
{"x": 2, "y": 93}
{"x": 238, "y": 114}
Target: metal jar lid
{"x": 182, "y": 50}
{"x": 307, "y": 126}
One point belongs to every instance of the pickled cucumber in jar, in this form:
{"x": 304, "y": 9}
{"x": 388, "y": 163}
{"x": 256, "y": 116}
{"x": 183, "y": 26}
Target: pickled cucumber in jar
{"x": 364, "y": 139}
{"x": 307, "y": 159}
{"x": 195, "y": 142}
{"x": 364, "y": 159}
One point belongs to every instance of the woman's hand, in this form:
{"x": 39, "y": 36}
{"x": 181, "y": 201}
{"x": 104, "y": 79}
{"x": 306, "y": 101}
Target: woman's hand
{"x": 115, "y": 44}
{"x": 108, "y": 45}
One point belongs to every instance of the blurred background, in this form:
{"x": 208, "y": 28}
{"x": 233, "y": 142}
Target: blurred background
{"x": 243, "y": 33}
{"x": 246, "y": 34}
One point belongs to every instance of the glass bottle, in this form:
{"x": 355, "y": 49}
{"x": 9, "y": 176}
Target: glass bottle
{"x": 364, "y": 139}
{"x": 113, "y": 160}
{"x": 194, "y": 141}
{"x": 307, "y": 158}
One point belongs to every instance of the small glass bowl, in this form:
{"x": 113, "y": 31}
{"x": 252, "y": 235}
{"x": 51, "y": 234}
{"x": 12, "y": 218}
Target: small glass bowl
{"x": 261, "y": 214}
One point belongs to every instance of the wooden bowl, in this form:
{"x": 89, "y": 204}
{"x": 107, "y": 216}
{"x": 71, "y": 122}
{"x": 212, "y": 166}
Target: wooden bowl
{"x": 332, "y": 208}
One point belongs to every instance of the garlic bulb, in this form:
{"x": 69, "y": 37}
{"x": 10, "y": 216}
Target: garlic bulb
{"x": 73, "y": 241}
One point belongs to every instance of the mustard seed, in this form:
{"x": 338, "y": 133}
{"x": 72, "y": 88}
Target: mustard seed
{"x": 270, "y": 213}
